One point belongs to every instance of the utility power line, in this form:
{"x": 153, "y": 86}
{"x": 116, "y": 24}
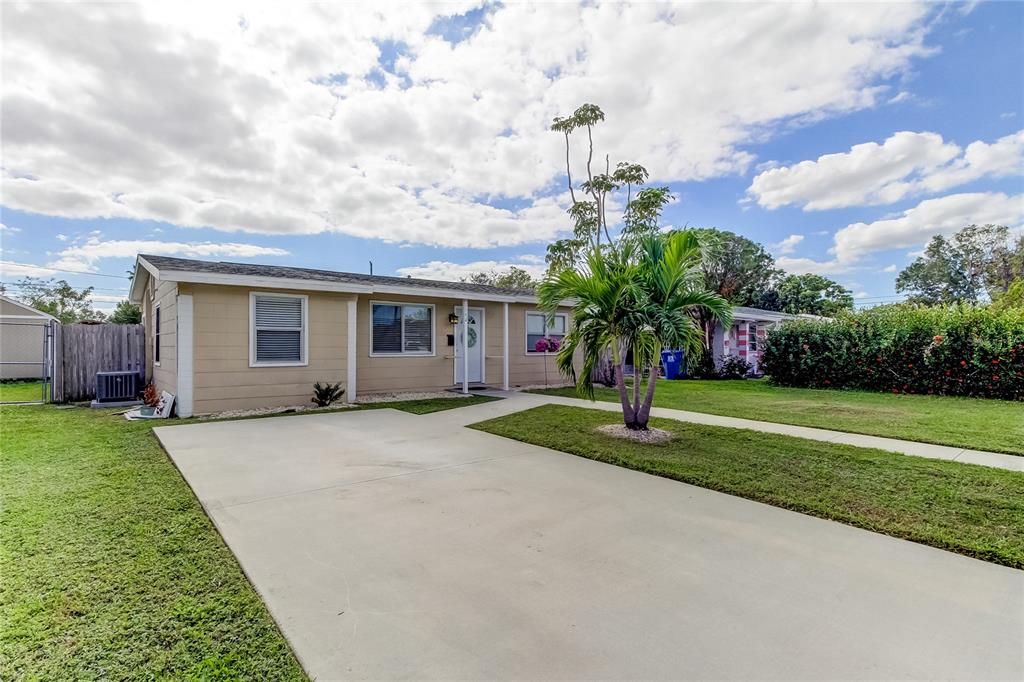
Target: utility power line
{"x": 74, "y": 272}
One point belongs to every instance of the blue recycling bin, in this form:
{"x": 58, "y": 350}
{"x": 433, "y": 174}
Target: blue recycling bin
{"x": 672, "y": 361}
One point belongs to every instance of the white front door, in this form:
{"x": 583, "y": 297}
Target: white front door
{"x": 475, "y": 327}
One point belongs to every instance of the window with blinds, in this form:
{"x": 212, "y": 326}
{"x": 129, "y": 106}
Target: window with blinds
{"x": 402, "y": 329}
{"x": 279, "y": 329}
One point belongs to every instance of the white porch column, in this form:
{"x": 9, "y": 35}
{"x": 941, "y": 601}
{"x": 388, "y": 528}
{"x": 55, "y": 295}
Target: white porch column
{"x": 350, "y": 356}
{"x": 504, "y": 355}
{"x": 465, "y": 345}
{"x": 185, "y": 350}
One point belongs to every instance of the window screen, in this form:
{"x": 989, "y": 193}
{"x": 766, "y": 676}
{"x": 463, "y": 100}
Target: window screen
{"x": 278, "y": 325}
{"x": 540, "y": 326}
{"x": 156, "y": 336}
{"x": 400, "y": 328}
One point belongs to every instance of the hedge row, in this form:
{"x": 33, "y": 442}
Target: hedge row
{"x": 956, "y": 350}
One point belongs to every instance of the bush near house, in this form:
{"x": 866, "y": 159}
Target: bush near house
{"x": 953, "y": 350}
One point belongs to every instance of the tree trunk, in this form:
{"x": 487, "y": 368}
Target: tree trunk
{"x": 644, "y": 413}
{"x": 638, "y": 375}
{"x": 629, "y": 415}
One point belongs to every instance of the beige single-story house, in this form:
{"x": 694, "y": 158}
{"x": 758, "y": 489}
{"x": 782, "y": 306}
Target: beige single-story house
{"x": 22, "y": 340}
{"x": 225, "y": 336}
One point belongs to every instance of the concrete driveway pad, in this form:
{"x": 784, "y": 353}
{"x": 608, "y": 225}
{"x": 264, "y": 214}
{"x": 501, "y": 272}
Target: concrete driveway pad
{"x": 389, "y": 545}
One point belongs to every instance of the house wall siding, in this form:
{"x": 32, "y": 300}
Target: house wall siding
{"x": 224, "y": 380}
{"x": 165, "y": 294}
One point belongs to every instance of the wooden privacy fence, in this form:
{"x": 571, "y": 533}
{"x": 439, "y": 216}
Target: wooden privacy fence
{"x": 81, "y": 350}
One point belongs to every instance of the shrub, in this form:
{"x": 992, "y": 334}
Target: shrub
{"x": 325, "y": 394}
{"x": 734, "y": 367}
{"x": 954, "y": 350}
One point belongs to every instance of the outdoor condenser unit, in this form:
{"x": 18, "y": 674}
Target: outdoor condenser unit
{"x": 116, "y": 386}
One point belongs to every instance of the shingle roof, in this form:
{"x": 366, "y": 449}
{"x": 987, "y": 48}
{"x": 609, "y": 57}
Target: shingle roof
{"x": 247, "y": 269}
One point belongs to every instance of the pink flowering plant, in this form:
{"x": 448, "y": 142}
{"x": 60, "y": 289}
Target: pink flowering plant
{"x": 546, "y": 345}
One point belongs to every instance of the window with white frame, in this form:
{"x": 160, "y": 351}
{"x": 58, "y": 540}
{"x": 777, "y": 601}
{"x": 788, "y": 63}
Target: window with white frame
{"x": 402, "y": 329}
{"x": 544, "y": 326}
{"x": 278, "y": 329}
{"x": 752, "y": 338}
{"x": 156, "y": 335}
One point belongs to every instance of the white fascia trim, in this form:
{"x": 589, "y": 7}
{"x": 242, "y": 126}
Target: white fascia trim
{"x": 135, "y": 289}
{"x": 315, "y": 285}
{"x": 427, "y": 292}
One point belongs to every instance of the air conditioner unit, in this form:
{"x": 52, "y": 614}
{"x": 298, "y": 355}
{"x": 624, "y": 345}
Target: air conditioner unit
{"x": 116, "y": 386}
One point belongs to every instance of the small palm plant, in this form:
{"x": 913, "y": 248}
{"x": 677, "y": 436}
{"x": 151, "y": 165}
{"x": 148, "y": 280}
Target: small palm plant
{"x": 640, "y": 295}
{"x": 327, "y": 393}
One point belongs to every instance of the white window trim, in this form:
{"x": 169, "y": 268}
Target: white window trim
{"x": 404, "y": 353}
{"x": 526, "y": 330}
{"x": 304, "y": 362}
{"x": 157, "y": 320}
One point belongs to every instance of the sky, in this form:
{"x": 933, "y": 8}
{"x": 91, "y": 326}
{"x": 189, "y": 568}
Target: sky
{"x": 416, "y": 136}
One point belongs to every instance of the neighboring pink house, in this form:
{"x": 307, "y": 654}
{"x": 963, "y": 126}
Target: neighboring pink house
{"x": 745, "y": 337}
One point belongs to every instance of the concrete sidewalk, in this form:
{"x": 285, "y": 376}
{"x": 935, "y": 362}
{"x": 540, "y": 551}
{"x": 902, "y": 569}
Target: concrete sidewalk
{"x": 516, "y": 401}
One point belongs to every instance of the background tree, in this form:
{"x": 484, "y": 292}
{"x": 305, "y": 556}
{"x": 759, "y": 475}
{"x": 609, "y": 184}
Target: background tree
{"x": 977, "y": 261}
{"x": 126, "y": 312}
{"x": 813, "y": 295}
{"x": 737, "y": 269}
{"x": 513, "y": 278}
{"x": 642, "y": 206}
{"x": 936, "y": 277}
{"x": 60, "y": 299}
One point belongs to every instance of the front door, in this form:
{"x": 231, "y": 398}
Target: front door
{"x": 474, "y": 326}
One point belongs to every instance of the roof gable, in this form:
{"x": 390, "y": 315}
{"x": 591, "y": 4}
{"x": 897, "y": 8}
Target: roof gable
{"x": 22, "y": 309}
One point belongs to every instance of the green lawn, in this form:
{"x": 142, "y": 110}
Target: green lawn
{"x": 994, "y": 425}
{"x": 111, "y": 569}
{"x": 21, "y": 391}
{"x": 965, "y": 508}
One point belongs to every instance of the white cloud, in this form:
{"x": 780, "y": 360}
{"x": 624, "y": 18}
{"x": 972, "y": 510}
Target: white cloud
{"x": 108, "y": 298}
{"x": 11, "y": 269}
{"x": 890, "y": 268}
{"x": 454, "y": 272}
{"x": 298, "y": 136}
{"x": 917, "y": 225}
{"x": 83, "y": 257}
{"x": 800, "y": 266}
{"x": 7, "y": 229}
{"x": 789, "y": 244}
{"x": 904, "y": 165}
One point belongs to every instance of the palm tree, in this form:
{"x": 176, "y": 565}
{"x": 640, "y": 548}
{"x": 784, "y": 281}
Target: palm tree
{"x": 640, "y": 295}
